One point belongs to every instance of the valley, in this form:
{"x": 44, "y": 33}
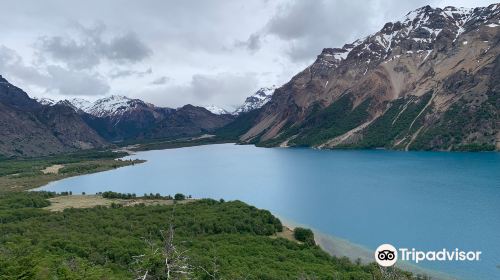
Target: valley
{"x": 281, "y": 147}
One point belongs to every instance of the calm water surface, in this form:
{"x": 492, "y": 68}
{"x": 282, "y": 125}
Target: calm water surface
{"x": 422, "y": 200}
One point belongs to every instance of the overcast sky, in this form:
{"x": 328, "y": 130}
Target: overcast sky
{"x": 175, "y": 52}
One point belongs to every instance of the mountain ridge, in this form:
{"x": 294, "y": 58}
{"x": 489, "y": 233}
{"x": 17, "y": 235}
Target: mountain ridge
{"x": 32, "y": 129}
{"x": 438, "y": 66}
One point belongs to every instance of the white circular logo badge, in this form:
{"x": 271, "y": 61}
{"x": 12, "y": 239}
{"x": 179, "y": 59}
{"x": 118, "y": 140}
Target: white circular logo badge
{"x": 386, "y": 255}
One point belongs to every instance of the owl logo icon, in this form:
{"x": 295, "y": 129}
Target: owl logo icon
{"x": 386, "y": 255}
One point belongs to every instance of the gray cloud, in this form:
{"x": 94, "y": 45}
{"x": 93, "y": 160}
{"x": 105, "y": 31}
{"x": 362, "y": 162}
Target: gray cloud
{"x": 161, "y": 80}
{"x": 222, "y": 88}
{"x": 52, "y": 78}
{"x": 253, "y": 43}
{"x": 12, "y": 65}
{"x": 123, "y": 73}
{"x": 187, "y": 41}
{"x": 88, "y": 47}
{"x": 127, "y": 48}
{"x": 69, "y": 82}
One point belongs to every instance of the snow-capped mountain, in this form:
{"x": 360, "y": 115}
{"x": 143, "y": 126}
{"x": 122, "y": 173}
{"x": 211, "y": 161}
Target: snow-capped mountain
{"x": 420, "y": 32}
{"x": 46, "y": 101}
{"x": 428, "y": 81}
{"x": 216, "y": 110}
{"x": 257, "y": 100}
{"x": 108, "y": 106}
{"x": 117, "y": 118}
{"x": 115, "y": 105}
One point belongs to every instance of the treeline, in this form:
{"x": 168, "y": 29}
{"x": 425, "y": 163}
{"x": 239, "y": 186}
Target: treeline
{"x": 111, "y": 194}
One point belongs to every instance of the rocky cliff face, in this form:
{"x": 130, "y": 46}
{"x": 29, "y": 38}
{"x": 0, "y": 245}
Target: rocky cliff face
{"x": 429, "y": 81}
{"x": 31, "y": 129}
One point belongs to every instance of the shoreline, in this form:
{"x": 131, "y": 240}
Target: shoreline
{"x": 340, "y": 247}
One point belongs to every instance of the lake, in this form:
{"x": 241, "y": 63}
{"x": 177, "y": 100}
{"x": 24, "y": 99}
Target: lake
{"x": 422, "y": 200}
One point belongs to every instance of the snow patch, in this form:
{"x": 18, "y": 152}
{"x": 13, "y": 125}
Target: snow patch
{"x": 256, "y": 101}
{"x": 216, "y": 110}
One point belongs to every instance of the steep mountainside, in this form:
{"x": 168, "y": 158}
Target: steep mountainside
{"x": 429, "y": 81}
{"x": 32, "y": 129}
{"x": 256, "y": 101}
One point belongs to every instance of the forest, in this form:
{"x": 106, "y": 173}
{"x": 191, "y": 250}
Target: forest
{"x": 205, "y": 239}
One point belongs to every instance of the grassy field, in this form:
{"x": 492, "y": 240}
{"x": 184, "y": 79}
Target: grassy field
{"x": 28, "y": 173}
{"x": 59, "y": 203}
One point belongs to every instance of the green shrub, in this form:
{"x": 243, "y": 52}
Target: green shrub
{"x": 304, "y": 235}
{"x": 179, "y": 196}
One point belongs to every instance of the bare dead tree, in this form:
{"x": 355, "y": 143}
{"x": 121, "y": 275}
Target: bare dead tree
{"x": 165, "y": 261}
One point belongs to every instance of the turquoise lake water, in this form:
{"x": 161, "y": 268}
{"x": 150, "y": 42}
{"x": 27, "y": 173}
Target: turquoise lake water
{"x": 422, "y": 200}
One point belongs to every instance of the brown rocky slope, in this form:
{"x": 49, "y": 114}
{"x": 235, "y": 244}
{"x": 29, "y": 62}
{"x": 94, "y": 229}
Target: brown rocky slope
{"x": 428, "y": 82}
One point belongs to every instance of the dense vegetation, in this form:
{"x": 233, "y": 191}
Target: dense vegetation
{"x": 239, "y": 126}
{"x": 113, "y": 195}
{"x": 395, "y": 123}
{"x": 210, "y": 240}
{"x": 10, "y": 166}
{"x": 457, "y": 123}
{"x": 26, "y": 173}
{"x": 323, "y": 124}
{"x": 335, "y": 120}
{"x": 161, "y": 144}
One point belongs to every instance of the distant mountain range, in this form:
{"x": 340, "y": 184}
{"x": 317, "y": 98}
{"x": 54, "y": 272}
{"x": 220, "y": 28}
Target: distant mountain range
{"x": 430, "y": 81}
{"x": 45, "y": 126}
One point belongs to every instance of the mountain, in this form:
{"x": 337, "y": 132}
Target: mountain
{"x": 114, "y": 105}
{"x": 216, "y": 110}
{"x": 119, "y": 118}
{"x": 430, "y": 81}
{"x": 256, "y": 101}
{"x": 32, "y": 129}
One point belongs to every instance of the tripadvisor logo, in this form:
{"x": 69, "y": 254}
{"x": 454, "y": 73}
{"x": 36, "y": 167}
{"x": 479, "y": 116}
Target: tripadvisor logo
{"x": 387, "y": 255}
